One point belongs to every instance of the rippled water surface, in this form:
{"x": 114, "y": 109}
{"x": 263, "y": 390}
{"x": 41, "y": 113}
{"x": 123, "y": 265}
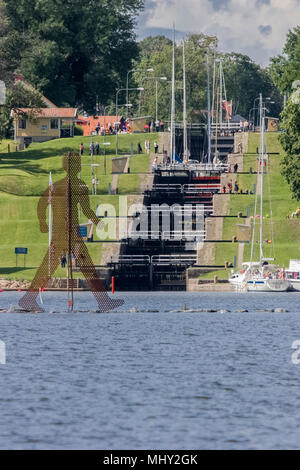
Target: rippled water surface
{"x": 156, "y": 380}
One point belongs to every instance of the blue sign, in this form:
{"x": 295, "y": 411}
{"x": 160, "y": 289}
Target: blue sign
{"x": 21, "y": 251}
{"x": 82, "y": 232}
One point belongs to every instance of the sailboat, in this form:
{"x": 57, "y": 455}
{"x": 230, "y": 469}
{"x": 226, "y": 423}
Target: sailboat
{"x": 260, "y": 276}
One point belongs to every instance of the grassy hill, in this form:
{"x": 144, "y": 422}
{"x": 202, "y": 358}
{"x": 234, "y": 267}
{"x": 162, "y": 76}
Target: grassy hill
{"x": 284, "y": 234}
{"x": 25, "y": 175}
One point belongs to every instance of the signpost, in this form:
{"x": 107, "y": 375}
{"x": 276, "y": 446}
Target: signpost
{"x": 82, "y": 231}
{"x": 21, "y": 251}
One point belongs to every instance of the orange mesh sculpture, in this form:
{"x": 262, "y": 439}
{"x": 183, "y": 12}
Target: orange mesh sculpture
{"x": 66, "y": 196}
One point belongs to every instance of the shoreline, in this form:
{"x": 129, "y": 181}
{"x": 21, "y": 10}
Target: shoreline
{"x": 221, "y": 288}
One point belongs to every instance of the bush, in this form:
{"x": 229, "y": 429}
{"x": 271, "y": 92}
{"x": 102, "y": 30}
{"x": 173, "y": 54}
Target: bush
{"x": 78, "y": 130}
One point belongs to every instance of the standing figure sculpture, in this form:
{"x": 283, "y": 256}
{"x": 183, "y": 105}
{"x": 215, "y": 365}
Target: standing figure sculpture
{"x": 66, "y": 196}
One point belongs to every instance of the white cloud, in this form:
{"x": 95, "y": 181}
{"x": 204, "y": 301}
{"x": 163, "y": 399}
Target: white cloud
{"x": 257, "y": 28}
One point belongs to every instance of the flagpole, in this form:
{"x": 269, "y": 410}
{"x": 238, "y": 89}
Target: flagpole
{"x": 50, "y": 222}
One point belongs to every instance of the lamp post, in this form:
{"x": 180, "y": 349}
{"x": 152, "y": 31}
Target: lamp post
{"x": 257, "y": 108}
{"x": 127, "y": 105}
{"x": 105, "y": 144}
{"x": 251, "y": 110}
{"x": 157, "y": 79}
{"x": 127, "y": 82}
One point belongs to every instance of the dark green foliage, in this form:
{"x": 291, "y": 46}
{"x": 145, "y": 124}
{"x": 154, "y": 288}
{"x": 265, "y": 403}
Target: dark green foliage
{"x": 17, "y": 97}
{"x": 285, "y": 68}
{"x": 290, "y": 140}
{"x": 285, "y": 71}
{"x": 244, "y": 81}
{"x": 196, "y": 47}
{"x": 72, "y": 51}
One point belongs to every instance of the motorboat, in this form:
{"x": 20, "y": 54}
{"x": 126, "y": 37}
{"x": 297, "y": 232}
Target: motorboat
{"x": 293, "y": 274}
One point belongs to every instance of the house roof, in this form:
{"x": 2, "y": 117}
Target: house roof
{"x": 48, "y": 112}
{"x": 238, "y": 118}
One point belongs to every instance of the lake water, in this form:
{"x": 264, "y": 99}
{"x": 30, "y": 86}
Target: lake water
{"x": 152, "y": 380}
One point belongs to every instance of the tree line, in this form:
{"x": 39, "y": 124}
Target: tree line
{"x": 285, "y": 72}
{"x": 78, "y": 54}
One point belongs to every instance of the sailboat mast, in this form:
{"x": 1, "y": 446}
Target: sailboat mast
{"x": 221, "y": 94}
{"x": 214, "y": 90}
{"x": 208, "y": 112}
{"x": 70, "y": 229}
{"x": 173, "y": 102}
{"x": 185, "y": 140}
{"x": 262, "y": 134}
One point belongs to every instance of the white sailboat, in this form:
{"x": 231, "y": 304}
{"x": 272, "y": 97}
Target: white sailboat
{"x": 260, "y": 276}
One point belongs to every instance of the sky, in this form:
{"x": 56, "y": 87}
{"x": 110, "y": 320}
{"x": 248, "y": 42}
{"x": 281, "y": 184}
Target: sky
{"x": 257, "y": 28}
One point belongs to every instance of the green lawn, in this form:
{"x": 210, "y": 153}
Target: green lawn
{"x": 25, "y": 175}
{"x": 286, "y": 233}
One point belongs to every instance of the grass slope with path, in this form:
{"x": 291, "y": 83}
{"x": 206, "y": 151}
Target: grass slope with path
{"x": 25, "y": 175}
{"x": 285, "y": 235}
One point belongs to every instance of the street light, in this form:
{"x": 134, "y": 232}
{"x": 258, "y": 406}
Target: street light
{"x": 105, "y": 144}
{"x": 157, "y": 79}
{"x": 253, "y": 109}
{"x": 258, "y": 108}
{"x": 125, "y": 89}
{"x": 127, "y": 105}
{"x": 150, "y": 70}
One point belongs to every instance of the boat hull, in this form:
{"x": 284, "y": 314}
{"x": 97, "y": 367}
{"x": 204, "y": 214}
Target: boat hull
{"x": 295, "y": 285}
{"x": 268, "y": 285}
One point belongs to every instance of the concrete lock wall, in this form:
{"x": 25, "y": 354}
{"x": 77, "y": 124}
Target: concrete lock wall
{"x": 120, "y": 164}
{"x": 243, "y": 233}
{"x": 241, "y": 140}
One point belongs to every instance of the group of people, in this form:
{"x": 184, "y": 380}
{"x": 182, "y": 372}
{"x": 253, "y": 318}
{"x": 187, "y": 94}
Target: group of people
{"x": 124, "y": 126}
{"x": 230, "y": 188}
{"x": 294, "y": 215}
{"x": 157, "y": 126}
{"x": 94, "y": 149}
{"x": 148, "y": 147}
{"x": 64, "y": 260}
{"x": 246, "y": 126}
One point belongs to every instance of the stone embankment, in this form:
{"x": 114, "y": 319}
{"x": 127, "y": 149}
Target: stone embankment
{"x": 13, "y": 285}
{"x": 196, "y": 285}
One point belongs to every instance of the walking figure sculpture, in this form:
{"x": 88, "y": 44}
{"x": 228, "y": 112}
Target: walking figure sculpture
{"x": 66, "y": 196}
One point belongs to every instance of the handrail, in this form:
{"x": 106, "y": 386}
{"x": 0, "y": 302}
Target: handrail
{"x": 125, "y": 259}
{"x": 184, "y": 235}
{"x": 222, "y": 167}
{"x": 165, "y": 260}
{"x": 190, "y": 187}
{"x": 154, "y": 235}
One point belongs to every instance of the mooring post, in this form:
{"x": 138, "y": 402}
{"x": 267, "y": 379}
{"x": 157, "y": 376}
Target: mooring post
{"x": 113, "y": 285}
